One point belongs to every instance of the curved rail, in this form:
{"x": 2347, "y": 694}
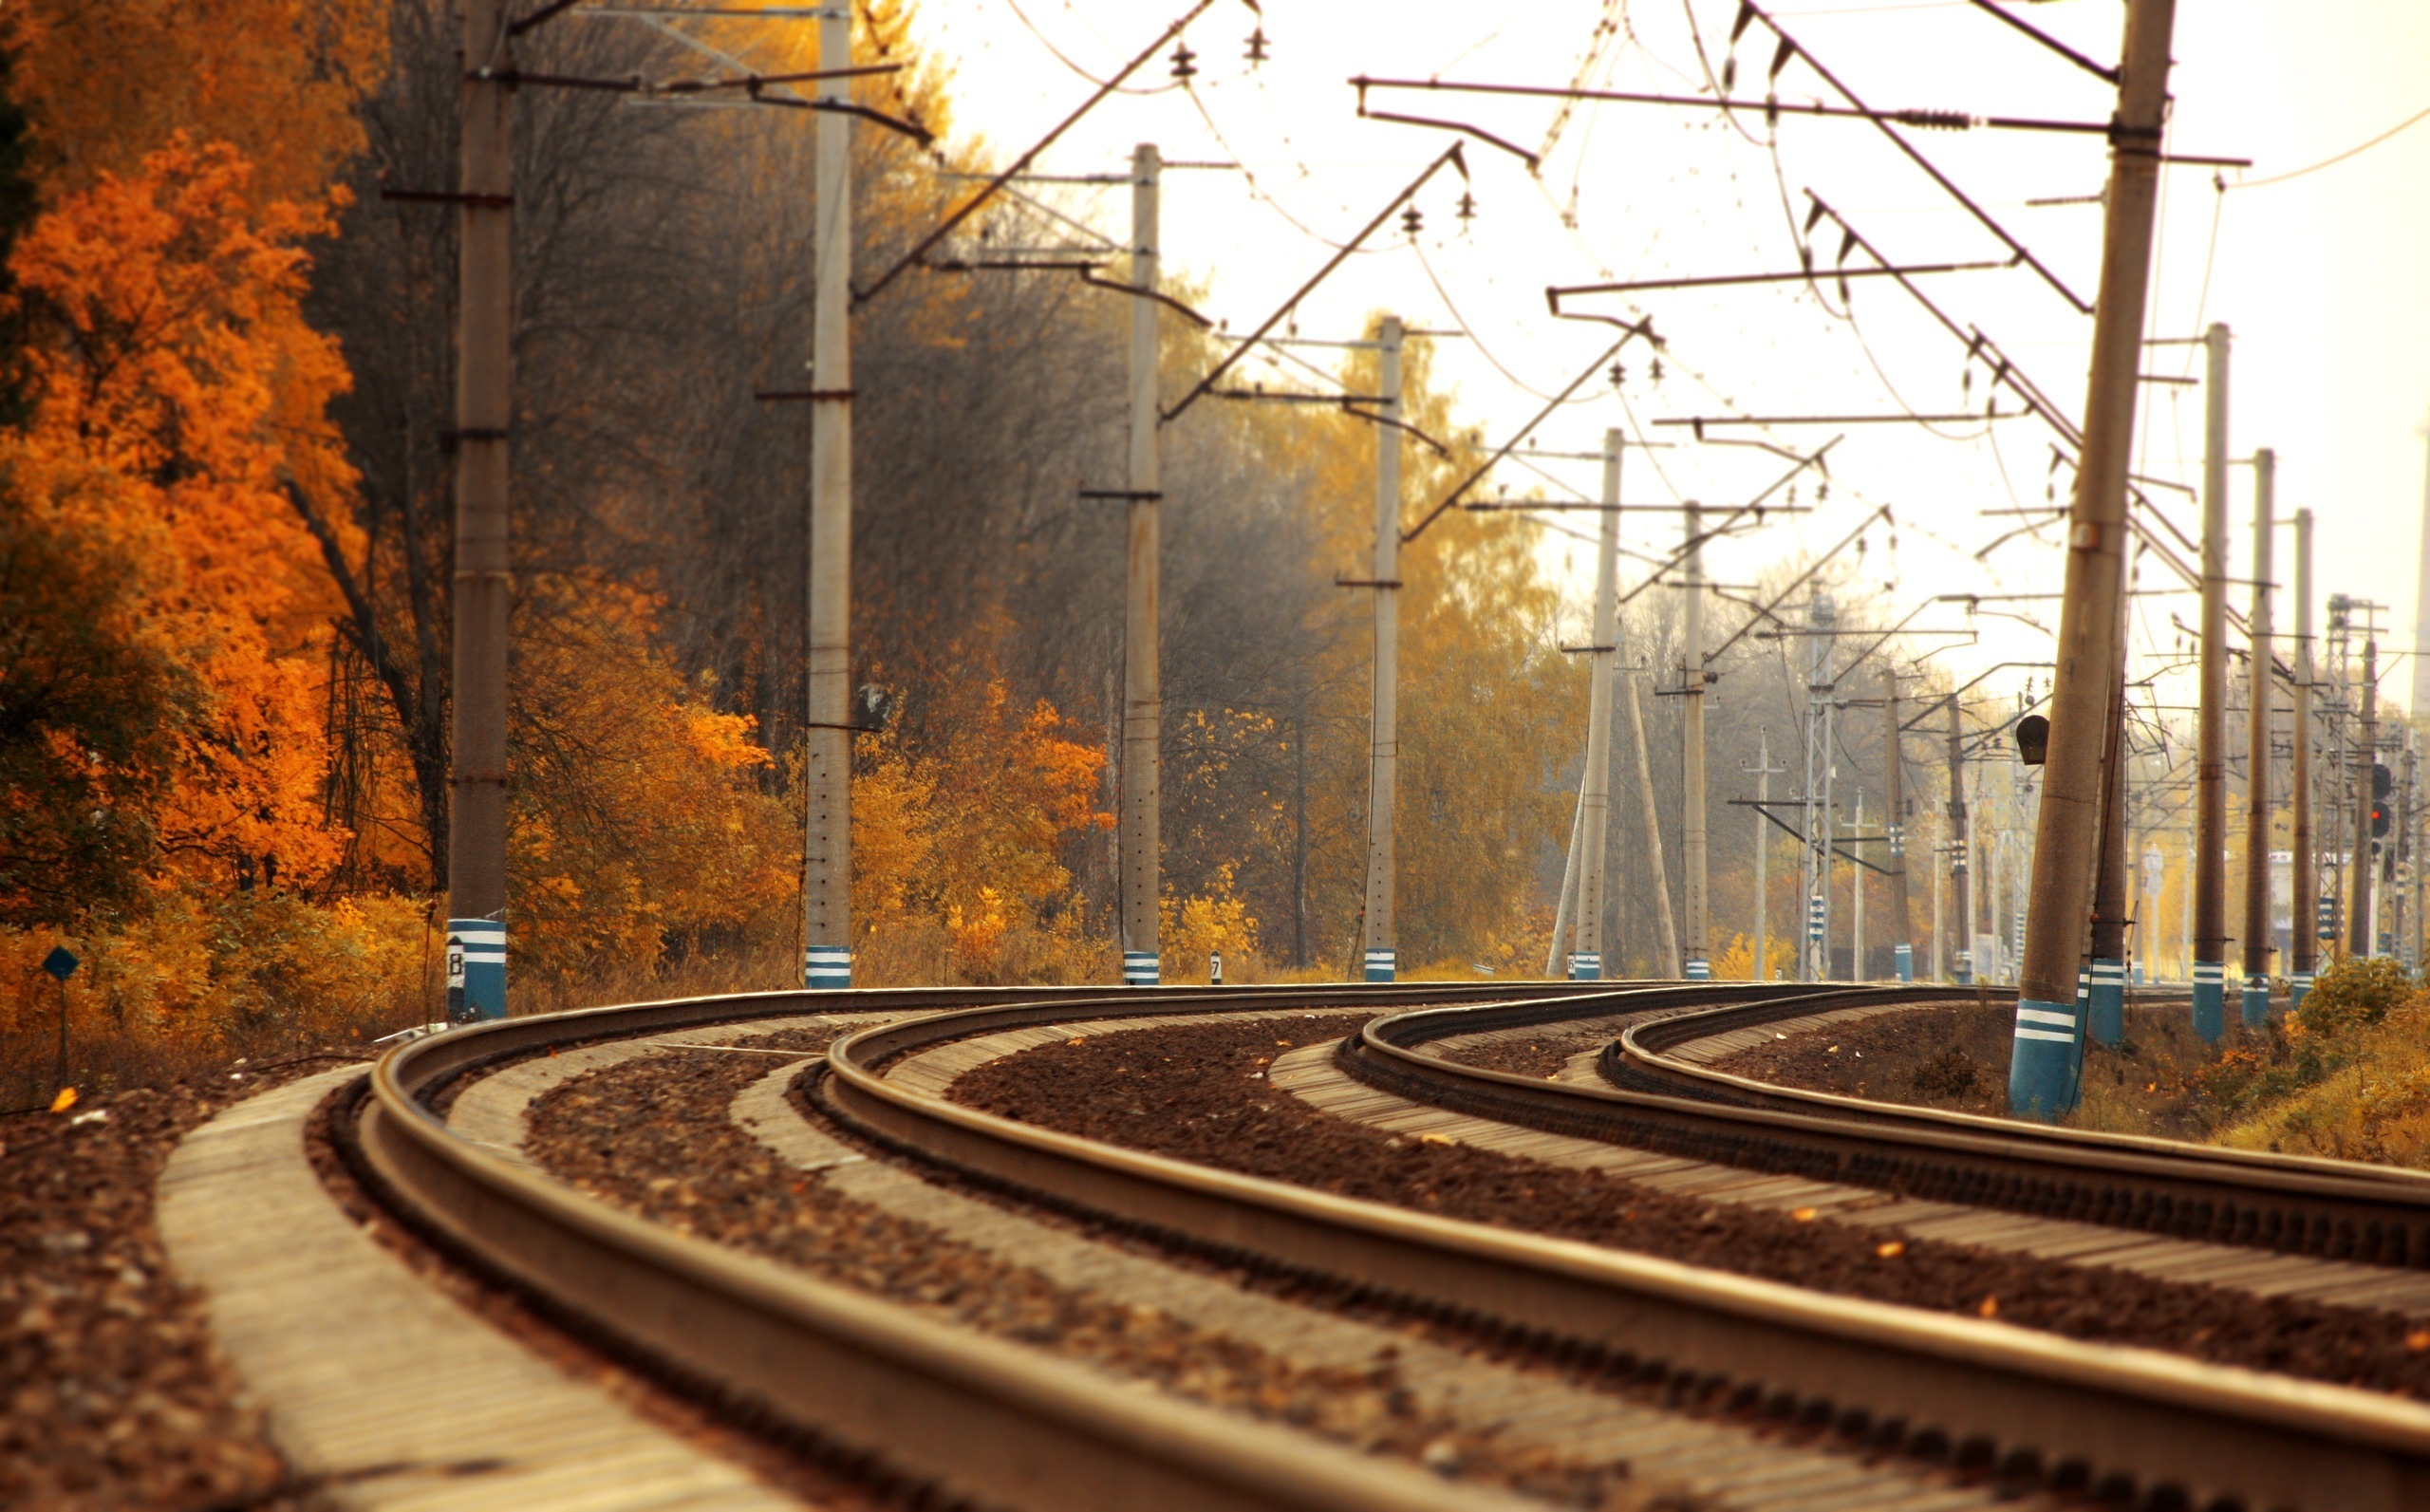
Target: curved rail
{"x": 2297, "y": 1206}
{"x": 973, "y": 1416}
{"x": 2087, "y": 1413}
{"x": 983, "y": 1419}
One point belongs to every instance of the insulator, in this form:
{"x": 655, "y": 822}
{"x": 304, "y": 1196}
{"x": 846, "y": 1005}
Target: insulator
{"x": 1933, "y": 120}
{"x": 1654, "y": 370}
{"x": 1411, "y": 221}
{"x": 1185, "y": 62}
{"x": 1257, "y": 47}
{"x": 1468, "y": 206}
{"x": 1730, "y": 72}
{"x": 1619, "y": 375}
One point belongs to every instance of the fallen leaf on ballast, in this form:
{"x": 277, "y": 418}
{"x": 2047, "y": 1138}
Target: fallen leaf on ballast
{"x": 1890, "y": 1249}
{"x": 1435, "y": 1139}
{"x": 1803, "y": 1215}
{"x": 1990, "y": 1308}
{"x": 1077, "y": 1039}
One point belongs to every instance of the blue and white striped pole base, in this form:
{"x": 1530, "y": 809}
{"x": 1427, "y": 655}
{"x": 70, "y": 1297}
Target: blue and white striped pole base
{"x": 2042, "y": 1063}
{"x": 1139, "y": 968}
{"x": 2298, "y": 986}
{"x": 1699, "y": 970}
{"x": 1905, "y": 957}
{"x": 2106, "y": 1019}
{"x": 475, "y": 970}
{"x": 2257, "y": 1001}
{"x": 826, "y": 968}
{"x": 2210, "y": 1001}
{"x": 1586, "y": 965}
{"x": 1383, "y": 963}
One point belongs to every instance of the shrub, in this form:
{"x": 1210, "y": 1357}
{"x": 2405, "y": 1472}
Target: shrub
{"x": 2355, "y": 993}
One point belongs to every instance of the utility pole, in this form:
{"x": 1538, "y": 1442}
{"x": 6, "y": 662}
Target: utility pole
{"x": 1902, "y": 947}
{"x": 2074, "y": 785}
{"x": 2303, "y": 871}
{"x": 1764, "y": 770}
{"x": 2210, "y": 730}
{"x": 1692, "y": 732}
{"x": 826, "y": 884}
{"x": 476, "y": 816}
{"x": 1142, "y": 682}
{"x": 2258, "y": 937}
{"x": 1587, "y": 966}
{"x": 1384, "y": 734}
{"x": 1962, "y": 961}
{"x": 2360, "y": 939}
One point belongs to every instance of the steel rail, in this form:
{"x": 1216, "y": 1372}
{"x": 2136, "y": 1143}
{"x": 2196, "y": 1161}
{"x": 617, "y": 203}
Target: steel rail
{"x": 2330, "y": 1209}
{"x": 970, "y": 1415}
{"x": 2086, "y": 1414}
{"x": 1645, "y": 1047}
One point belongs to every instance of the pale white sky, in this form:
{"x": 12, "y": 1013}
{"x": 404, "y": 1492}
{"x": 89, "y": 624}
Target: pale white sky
{"x": 2321, "y": 277}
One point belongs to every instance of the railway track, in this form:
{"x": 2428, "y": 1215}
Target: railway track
{"x": 1738, "y": 1391}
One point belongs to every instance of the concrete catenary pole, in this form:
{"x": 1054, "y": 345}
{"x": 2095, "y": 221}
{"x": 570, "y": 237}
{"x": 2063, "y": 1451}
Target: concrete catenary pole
{"x": 1694, "y": 941}
{"x": 2257, "y": 933}
{"x": 1141, "y": 681}
{"x": 476, "y": 817}
{"x": 1760, "y": 967}
{"x": 1384, "y": 738}
{"x": 2420, "y": 707}
{"x": 2303, "y": 873}
{"x": 2102, "y": 982}
{"x": 1893, "y": 764}
{"x": 1666, "y": 938}
{"x": 2211, "y": 720}
{"x": 2074, "y": 785}
{"x": 1587, "y": 966}
{"x": 2361, "y": 938}
{"x": 1961, "y": 900}
{"x": 1855, "y": 890}
{"x": 826, "y": 883}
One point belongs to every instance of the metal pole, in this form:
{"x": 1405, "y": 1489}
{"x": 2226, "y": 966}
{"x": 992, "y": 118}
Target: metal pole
{"x": 2303, "y": 871}
{"x": 2258, "y": 937}
{"x": 2211, "y": 747}
{"x": 1692, "y": 734}
{"x": 1940, "y": 844}
{"x": 826, "y": 883}
{"x": 476, "y": 811}
{"x": 1384, "y": 735}
{"x": 2360, "y": 939}
{"x": 1902, "y": 947}
{"x": 1596, "y": 805}
{"x": 2067, "y": 837}
{"x": 1142, "y": 689}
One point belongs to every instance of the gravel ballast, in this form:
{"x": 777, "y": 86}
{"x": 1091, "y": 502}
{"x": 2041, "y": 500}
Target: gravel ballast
{"x": 114, "y": 1396}
{"x": 1199, "y": 1094}
{"x": 655, "y": 1137}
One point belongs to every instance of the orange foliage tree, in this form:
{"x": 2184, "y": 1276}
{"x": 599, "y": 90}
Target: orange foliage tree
{"x": 172, "y": 382}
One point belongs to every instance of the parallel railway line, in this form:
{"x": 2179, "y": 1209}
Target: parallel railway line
{"x": 996, "y": 1424}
